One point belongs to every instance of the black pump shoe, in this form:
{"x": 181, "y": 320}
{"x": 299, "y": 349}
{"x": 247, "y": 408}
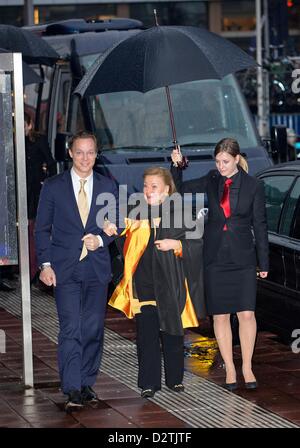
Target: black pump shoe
{"x": 230, "y": 386}
{"x": 251, "y": 385}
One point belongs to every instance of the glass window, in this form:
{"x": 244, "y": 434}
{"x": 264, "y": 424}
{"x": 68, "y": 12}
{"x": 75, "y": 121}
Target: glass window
{"x": 289, "y": 210}
{"x": 63, "y": 102}
{"x": 276, "y": 189}
{"x": 31, "y": 99}
{"x": 60, "y": 12}
{"x": 204, "y": 112}
{"x": 170, "y": 13}
{"x": 238, "y": 15}
{"x": 296, "y": 230}
{"x": 77, "y": 123}
{"x": 12, "y": 15}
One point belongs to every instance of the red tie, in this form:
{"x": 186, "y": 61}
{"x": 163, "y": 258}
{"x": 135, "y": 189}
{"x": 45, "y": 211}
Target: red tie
{"x": 225, "y": 203}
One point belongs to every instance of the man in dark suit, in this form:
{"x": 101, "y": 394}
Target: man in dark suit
{"x": 73, "y": 255}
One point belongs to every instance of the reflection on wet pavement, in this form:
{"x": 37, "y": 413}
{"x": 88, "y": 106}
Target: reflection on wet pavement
{"x": 205, "y": 350}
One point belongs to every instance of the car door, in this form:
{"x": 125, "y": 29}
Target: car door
{"x": 271, "y": 291}
{"x": 289, "y": 226}
{"x": 287, "y": 230}
{"x": 296, "y": 237}
{"x": 276, "y": 191}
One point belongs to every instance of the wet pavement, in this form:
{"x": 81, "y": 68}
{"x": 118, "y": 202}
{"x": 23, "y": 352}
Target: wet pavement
{"x": 276, "y": 367}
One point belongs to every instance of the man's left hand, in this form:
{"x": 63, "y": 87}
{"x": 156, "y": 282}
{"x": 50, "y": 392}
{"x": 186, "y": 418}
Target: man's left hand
{"x": 91, "y": 241}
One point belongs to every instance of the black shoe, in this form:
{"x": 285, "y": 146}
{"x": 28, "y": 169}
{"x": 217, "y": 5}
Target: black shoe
{"x": 5, "y": 287}
{"x": 147, "y": 393}
{"x": 230, "y": 386}
{"x": 177, "y": 388}
{"x": 251, "y": 385}
{"x": 88, "y": 395}
{"x": 74, "y": 401}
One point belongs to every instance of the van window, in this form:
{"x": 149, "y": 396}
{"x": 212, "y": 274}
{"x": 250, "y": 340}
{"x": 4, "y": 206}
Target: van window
{"x": 276, "y": 189}
{"x": 31, "y": 99}
{"x": 204, "y": 112}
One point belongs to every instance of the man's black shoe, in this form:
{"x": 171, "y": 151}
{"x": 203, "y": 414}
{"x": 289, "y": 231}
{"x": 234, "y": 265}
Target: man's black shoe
{"x": 5, "y": 287}
{"x": 177, "y": 387}
{"x": 74, "y": 401}
{"x": 147, "y": 393}
{"x": 88, "y": 395}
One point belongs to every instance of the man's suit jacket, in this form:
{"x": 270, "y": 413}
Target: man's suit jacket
{"x": 248, "y": 212}
{"x": 59, "y": 228}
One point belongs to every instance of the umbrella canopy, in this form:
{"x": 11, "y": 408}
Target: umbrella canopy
{"x": 161, "y": 56}
{"x": 34, "y": 49}
{"x": 29, "y": 75}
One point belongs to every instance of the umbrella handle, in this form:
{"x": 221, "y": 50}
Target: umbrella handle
{"x": 177, "y": 146}
{"x": 183, "y": 163}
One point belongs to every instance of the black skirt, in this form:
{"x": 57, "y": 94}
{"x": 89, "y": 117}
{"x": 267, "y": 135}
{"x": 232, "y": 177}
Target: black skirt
{"x": 229, "y": 287}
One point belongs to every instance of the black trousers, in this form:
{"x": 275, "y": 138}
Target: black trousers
{"x": 149, "y": 353}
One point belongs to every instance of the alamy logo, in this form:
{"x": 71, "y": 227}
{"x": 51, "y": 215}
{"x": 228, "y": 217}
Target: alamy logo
{"x": 296, "y": 344}
{"x": 2, "y": 342}
{"x": 296, "y": 82}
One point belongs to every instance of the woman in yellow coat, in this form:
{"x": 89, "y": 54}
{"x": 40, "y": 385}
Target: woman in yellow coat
{"x": 161, "y": 285}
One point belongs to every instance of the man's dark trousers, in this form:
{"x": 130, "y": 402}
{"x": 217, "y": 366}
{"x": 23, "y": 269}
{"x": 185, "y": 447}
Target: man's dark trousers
{"x": 81, "y": 305}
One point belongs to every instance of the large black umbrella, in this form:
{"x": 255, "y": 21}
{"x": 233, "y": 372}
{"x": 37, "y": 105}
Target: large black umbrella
{"x": 161, "y": 56}
{"x": 34, "y": 49}
{"x": 29, "y": 75}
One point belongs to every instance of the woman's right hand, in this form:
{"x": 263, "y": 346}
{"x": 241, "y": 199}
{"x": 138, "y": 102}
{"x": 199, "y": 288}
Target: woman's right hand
{"x": 109, "y": 228}
{"x": 176, "y": 156}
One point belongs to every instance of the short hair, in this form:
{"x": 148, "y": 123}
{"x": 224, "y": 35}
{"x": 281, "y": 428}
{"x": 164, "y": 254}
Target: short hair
{"x": 81, "y": 135}
{"x": 164, "y": 174}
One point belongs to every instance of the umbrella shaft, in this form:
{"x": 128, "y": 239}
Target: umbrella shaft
{"x": 171, "y": 116}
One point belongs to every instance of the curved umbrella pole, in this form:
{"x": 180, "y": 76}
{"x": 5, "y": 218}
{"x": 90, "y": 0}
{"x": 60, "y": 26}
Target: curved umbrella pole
{"x": 184, "y": 161}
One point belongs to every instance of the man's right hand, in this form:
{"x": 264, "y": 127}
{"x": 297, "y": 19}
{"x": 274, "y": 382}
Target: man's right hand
{"x": 48, "y": 276}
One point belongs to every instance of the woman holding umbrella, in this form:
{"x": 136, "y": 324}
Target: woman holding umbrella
{"x": 161, "y": 285}
{"x": 236, "y": 204}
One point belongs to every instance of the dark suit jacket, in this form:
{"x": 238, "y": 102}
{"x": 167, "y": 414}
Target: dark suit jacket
{"x": 37, "y": 154}
{"x": 59, "y": 228}
{"x": 248, "y": 212}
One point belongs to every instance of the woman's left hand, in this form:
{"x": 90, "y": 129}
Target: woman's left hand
{"x": 167, "y": 244}
{"x": 263, "y": 274}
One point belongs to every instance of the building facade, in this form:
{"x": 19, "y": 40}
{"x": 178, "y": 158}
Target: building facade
{"x": 234, "y": 19}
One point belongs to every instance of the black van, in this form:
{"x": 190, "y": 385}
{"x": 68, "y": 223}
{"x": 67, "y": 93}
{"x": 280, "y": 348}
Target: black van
{"x": 133, "y": 129}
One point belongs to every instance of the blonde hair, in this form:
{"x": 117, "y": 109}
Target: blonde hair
{"x": 164, "y": 174}
{"x": 231, "y": 146}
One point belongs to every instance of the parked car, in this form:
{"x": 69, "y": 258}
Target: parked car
{"x": 278, "y": 303}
